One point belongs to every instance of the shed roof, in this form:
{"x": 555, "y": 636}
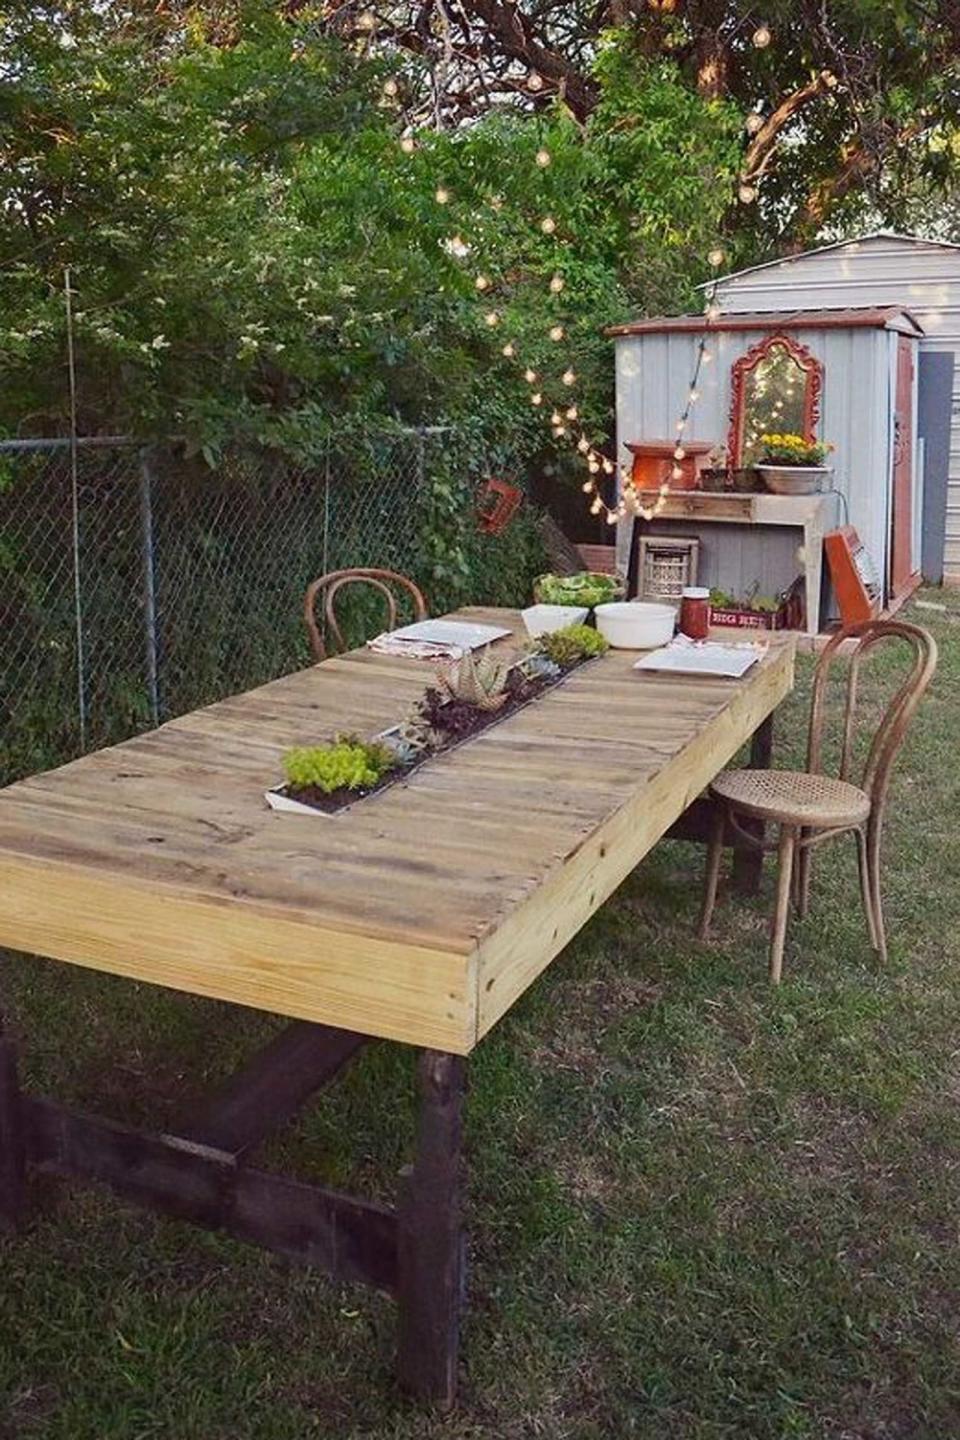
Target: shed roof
{"x": 875, "y": 236}
{"x": 882, "y": 317}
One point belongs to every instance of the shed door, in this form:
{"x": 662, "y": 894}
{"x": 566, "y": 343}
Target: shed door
{"x": 901, "y": 539}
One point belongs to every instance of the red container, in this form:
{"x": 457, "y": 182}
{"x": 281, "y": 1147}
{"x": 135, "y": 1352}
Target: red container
{"x": 695, "y": 612}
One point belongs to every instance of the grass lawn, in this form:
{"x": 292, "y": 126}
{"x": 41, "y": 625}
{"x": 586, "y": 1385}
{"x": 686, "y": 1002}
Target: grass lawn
{"x": 698, "y": 1208}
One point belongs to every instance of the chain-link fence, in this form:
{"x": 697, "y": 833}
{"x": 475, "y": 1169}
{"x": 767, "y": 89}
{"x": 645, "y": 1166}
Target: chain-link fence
{"x": 136, "y": 584}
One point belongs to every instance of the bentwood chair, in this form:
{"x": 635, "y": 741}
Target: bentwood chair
{"x": 329, "y": 587}
{"x": 811, "y": 807}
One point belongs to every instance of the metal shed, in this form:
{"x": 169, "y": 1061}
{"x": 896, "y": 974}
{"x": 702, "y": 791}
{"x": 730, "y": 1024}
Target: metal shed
{"x": 863, "y": 361}
{"x": 923, "y": 276}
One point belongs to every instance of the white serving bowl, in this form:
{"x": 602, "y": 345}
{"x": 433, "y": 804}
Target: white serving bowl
{"x": 636, "y": 624}
{"x": 542, "y": 619}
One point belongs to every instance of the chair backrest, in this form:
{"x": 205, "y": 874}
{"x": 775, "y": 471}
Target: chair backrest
{"x": 334, "y": 581}
{"x": 891, "y": 731}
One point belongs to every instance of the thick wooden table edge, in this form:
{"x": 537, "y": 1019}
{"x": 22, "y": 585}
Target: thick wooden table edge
{"x": 536, "y": 931}
{"x": 336, "y": 977}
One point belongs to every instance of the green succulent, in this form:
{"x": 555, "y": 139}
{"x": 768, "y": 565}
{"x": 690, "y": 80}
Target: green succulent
{"x": 347, "y": 763}
{"x": 573, "y": 643}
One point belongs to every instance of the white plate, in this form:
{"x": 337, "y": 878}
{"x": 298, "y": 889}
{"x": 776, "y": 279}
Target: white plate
{"x": 708, "y": 658}
{"x": 461, "y": 633}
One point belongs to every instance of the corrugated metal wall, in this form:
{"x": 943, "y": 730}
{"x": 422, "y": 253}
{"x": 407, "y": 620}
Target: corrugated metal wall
{"x": 881, "y": 270}
{"x": 653, "y": 377}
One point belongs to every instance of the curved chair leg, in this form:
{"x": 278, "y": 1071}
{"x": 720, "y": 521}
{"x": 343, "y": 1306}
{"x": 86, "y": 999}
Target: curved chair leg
{"x": 865, "y": 888}
{"x": 803, "y": 866}
{"x": 711, "y": 879}
{"x": 873, "y": 869}
{"x": 787, "y": 851}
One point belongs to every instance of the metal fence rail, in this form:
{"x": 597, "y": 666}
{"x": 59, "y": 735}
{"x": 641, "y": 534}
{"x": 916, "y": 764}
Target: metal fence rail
{"x": 185, "y": 582}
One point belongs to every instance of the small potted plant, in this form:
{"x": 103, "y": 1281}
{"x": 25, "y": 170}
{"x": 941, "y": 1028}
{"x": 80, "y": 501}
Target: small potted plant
{"x": 791, "y": 465}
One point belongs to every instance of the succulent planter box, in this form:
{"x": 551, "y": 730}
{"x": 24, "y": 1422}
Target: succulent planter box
{"x": 285, "y": 800}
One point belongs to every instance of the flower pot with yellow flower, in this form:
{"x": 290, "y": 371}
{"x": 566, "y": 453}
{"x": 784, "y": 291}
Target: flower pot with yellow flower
{"x": 790, "y": 465}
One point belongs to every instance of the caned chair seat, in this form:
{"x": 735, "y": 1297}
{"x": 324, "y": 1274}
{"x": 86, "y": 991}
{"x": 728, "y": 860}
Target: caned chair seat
{"x": 794, "y": 797}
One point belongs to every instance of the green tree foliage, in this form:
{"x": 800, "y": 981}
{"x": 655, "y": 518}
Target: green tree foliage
{"x": 256, "y": 257}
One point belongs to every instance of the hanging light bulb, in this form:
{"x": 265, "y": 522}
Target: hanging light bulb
{"x": 492, "y": 318}
{"x": 679, "y": 453}
{"x": 482, "y": 282}
{"x": 747, "y": 194}
{"x": 611, "y": 517}
{"x": 543, "y": 156}
{"x": 530, "y": 376}
{"x": 594, "y": 467}
{"x": 572, "y": 412}
{"x": 556, "y": 418}
{"x": 509, "y": 350}
{"x": 681, "y": 424}
{"x": 716, "y": 257}
{"x": 548, "y": 225}
{"x": 442, "y": 195}
{"x": 367, "y": 21}
{"x": 761, "y": 37}
{"x": 534, "y": 82}
{"x": 536, "y": 398}
{"x": 557, "y": 284}
{"x": 608, "y": 466}
{"x": 596, "y": 507}
{"x": 390, "y": 87}
{"x": 712, "y": 312}
{"x": 557, "y": 332}
{"x": 587, "y": 487}
{"x": 706, "y": 356}
{"x": 408, "y": 144}
{"x": 569, "y": 377}
{"x": 694, "y": 395}
{"x": 753, "y": 123}
{"x": 583, "y": 445}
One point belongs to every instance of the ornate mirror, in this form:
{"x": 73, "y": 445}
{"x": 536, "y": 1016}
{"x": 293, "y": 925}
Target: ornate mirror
{"x": 775, "y": 388}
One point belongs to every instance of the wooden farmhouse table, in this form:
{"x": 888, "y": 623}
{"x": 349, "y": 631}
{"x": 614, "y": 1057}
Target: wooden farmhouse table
{"x": 419, "y": 916}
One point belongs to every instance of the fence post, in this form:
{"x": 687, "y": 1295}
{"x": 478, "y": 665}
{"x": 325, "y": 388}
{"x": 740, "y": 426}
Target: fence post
{"x": 149, "y": 585}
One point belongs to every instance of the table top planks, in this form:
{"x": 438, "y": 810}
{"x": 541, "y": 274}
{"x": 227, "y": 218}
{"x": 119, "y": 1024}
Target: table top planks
{"x": 420, "y": 914}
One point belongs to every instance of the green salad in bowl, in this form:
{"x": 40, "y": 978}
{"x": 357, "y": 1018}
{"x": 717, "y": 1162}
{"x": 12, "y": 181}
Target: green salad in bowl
{"x": 586, "y": 588}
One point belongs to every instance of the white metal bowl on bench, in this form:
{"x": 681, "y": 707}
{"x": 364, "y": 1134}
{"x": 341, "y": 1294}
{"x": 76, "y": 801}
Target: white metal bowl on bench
{"x": 795, "y": 479}
{"x": 636, "y": 624}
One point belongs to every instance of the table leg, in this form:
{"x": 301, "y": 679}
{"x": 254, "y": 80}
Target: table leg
{"x": 12, "y": 1147}
{"x": 747, "y": 862}
{"x": 430, "y": 1241}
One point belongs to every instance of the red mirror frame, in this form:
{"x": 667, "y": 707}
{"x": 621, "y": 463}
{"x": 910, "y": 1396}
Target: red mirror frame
{"x": 738, "y": 377}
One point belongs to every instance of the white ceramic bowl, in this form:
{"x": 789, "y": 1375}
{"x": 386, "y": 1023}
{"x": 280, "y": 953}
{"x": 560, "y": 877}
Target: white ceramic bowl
{"x": 636, "y": 624}
{"x": 542, "y": 619}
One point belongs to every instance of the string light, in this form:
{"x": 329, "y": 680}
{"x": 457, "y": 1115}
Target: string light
{"x": 679, "y": 453}
{"x": 715, "y": 258}
{"x": 509, "y": 350}
{"x": 482, "y": 282}
{"x": 543, "y": 157}
{"x": 548, "y": 225}
{"x": 572, "y": 412}
{"x": 534, "y": 82}
{"x": 583, "y": 445}
{"x": 557, "y": 332}
{"x": 747, "y": 193}
{"x": 442, "y": 195}
{"x": 408, "y": 144}
{"x": 492, "y": 318}
{"x": 761, "y": 37}
{"x": 536, "y": 398}
{"x": 557, "y": 283}
{"x": 530, "y": 376}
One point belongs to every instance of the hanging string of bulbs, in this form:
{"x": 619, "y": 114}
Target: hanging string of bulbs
{"x": 564, "y": 418}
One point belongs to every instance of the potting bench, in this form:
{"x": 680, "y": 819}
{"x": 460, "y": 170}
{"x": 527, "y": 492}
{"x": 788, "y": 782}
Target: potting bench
{"x": 419, "y": 915}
